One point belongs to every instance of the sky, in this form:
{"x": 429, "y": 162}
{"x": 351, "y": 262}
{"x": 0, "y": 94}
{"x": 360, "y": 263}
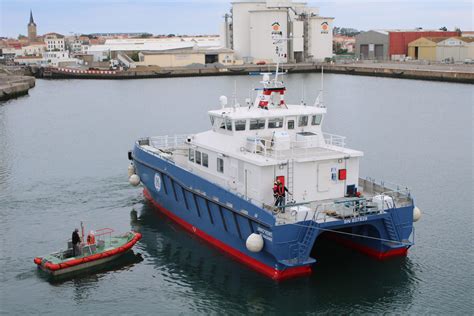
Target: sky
{"x": 205, "y": 16}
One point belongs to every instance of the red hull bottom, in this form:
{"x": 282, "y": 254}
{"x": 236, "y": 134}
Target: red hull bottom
{"x": 270, "y": 272}
{"x": 398, "y": 252}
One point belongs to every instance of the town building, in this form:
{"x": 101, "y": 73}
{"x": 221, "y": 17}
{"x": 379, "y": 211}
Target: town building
{"x": 442, "y": 49}
{"x": 250, "y": 27}
{"x": 54, "y": 42}
{"x": 34, "y": 49}
{"x": 32, "y": 29}
{"x": 342, "y": 42}
{"x": 391, "y": 44}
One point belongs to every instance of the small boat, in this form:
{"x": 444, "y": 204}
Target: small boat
{"x": 105, "y": 249}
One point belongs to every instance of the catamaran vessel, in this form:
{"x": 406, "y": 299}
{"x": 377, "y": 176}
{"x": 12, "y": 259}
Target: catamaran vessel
{"x": 219, "y": 185}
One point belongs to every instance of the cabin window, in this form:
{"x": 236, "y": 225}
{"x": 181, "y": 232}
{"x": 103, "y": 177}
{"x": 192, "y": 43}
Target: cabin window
{"x": 316, "y": 119}
{"x": 291, "y": 124}
{"x": 240, "y": 125}
{"x": 275, "y": 122}
{"x": 205, "y": 160}
{"x": 198, "y": 157}
{"x": 212, "y": 120}
{"x": 220, "y": 165}
{"x": 228, "y": 124}
{"x": 191, "y": 155}
{"x": 257, "y": 124}
{"x": 222, "y": 124}
{"x": 303, "y": 121}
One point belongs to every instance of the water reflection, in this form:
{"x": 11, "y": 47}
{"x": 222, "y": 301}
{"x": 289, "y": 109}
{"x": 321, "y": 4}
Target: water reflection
{"x": 341, "y": 278}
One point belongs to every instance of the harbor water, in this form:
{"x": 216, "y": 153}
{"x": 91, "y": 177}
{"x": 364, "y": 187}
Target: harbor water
{"x": 63, "y": 159}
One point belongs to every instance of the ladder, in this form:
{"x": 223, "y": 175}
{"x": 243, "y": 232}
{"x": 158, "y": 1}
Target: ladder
{"x": 391, "y": 230}
{"x": 291, "y": 174}
{"x": 307, "y": 238}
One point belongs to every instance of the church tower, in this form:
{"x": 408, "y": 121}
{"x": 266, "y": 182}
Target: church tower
{"x": 31, "y": 29}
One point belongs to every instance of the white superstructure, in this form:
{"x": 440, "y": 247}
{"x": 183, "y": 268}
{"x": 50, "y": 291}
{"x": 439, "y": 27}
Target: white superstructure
{"x": 248, "y": 147}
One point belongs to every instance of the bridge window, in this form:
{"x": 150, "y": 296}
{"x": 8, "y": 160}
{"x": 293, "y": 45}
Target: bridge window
{"x": 191, "y": 155}
{"x": 228, "y": 124}
{"x": 240, "y": 125}
{"x": 212, "y": 120}
{"x": 303, "y": 121}
{"x": 198, "y": 157}
{"x": 257, "y": 124}
{"x": 205, "y": 160}
{"x": 316, "y": 119}
{"x": 220, "y": 165}
{"x": 291, "y": 124}
{"x": 275, "y": 122}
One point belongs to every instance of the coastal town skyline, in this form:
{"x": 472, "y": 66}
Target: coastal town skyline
{"x": 204, "y": 17}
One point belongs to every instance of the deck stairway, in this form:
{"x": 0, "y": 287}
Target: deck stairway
{"x": 306, "y": 243}
{"x": 391, "y": 230}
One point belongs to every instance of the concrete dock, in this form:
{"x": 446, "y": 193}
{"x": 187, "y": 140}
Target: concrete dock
{"x": 12, "y": 86}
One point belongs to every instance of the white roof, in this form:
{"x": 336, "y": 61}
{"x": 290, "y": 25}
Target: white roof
{"x": 157, "y": 44}
{"x": 244, "y": 112}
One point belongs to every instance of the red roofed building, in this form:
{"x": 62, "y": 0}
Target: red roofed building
{"x": 398, "y": 40}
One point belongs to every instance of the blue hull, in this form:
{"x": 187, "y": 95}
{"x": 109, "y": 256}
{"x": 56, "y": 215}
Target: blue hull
{"x": 226, "y": 220}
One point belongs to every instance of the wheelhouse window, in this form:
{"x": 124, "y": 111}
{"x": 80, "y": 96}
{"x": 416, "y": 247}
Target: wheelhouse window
{"x": 228, "y": 124}
{"x": 198, "y": 157}
{"x": 291, "y": 124}
{"x": 220, "y": 165}
{"x": 316, "y": 119}
{"x": 303, "y": 121}
{"x": 275, "y": 122}
{"x": 191, "y": 154}
{"x": 240, "y": 125}
{"x": 205, "y": 160}
{"x": 257, "y": 124}
{"x": 212, "y": 120}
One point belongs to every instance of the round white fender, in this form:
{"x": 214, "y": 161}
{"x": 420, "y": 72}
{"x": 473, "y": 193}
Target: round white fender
{"x": 416, "y": 214}
{"x": 131, "y": 170}
{"x": 134, "y": 180}
{"x": 254, "y": 242}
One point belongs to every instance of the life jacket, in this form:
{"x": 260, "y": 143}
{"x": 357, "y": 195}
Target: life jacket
{"x": 281, "y": 189}
{"x": 275, "y": 188}
{"x": 90, "y": 239}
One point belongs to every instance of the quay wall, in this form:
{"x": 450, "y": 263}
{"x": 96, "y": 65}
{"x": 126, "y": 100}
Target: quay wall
{"x": 463, "y": 74}
{"x": 14, "y": 86}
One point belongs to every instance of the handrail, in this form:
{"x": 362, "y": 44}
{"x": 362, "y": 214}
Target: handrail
{"x": 167, "y": 141}
{"x": 103, "y": 231}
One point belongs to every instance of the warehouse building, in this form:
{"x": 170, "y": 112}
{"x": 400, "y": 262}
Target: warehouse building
{"x": 185, "y": 57}
{"x": 248, "y": 31}
{"x": 372, "y": 45}
{"x": 454, "y": 49}
{"x": 391, "y": 44}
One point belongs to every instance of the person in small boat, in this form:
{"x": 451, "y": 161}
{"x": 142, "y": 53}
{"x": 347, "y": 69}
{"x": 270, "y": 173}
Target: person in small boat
{"x": 76, "y": 240}
{"x": 91, "y": 238}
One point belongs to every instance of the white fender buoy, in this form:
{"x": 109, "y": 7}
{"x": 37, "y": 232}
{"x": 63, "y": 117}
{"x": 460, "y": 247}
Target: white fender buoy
{"x": 416, "y": 214}
{"x": 131, "y": 170}
{"x": 254, "y": 242}
{"x": 134, "y": 180}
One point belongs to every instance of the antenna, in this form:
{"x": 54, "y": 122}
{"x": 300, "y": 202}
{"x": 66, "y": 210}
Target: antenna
{"x": 322, "y": 85}
{"x": 319, "y": 99}
{"x": 302, "y": 94}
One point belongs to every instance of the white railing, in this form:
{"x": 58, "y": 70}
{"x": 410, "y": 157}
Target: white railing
{"x": 335, "y": 140}
{"x": 295, "y": 149}
{"x": 165, "y": 142}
